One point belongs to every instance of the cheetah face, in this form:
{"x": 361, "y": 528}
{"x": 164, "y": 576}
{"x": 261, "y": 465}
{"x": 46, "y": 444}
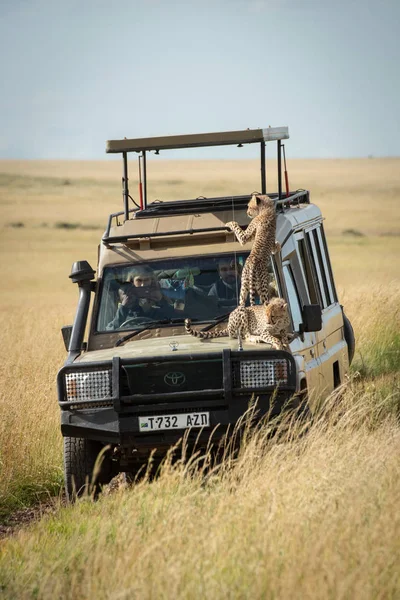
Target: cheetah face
{"x": 279, "y": 304}
{"x": 276, "y": 309}
{"x": 258, "y": 203}
{"x": 252, "y": 207}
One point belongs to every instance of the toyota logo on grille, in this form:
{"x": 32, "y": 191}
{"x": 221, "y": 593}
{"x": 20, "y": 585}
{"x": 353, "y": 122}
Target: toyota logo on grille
{"x": 174, "y": 379}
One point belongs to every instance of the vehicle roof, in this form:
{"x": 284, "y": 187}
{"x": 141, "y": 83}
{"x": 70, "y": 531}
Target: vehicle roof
{"x": 224, "y": 138}
{"x": 194, "y": 234}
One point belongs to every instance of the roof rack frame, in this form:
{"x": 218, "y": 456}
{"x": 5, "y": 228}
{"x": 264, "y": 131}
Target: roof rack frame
{"x": 247, "y": 136}
{"x": 298, "y": 197}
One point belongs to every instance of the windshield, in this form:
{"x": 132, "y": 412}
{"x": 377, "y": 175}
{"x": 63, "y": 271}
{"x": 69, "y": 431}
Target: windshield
{"x": 171, "y": 290}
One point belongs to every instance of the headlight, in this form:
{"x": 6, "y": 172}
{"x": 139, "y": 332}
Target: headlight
{"x": 88, "y": 385}
{"x": 263, "y": 373}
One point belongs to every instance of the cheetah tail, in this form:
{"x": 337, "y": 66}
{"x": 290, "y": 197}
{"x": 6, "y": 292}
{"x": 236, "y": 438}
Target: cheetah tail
{"x": 204, "y": 334}
{"x": 252, "y": 295}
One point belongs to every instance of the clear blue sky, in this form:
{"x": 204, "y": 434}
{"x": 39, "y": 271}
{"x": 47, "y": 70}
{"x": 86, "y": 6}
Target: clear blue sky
{"x": 75, "y": 73}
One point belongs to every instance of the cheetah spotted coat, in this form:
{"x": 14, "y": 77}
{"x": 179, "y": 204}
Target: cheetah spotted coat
{"x": 255, "y": 324}
{"x": 255, "y": 276}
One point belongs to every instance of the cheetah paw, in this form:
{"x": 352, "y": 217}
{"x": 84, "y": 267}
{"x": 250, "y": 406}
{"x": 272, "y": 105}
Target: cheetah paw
{"x": 231, "y": 225}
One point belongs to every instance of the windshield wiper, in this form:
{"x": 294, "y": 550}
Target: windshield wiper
{"x": 216, "y": 321}
{"x": 162, "y": 323}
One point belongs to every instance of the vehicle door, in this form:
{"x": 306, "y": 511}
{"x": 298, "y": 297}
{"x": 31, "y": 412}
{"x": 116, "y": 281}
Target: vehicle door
{"x": 331, "y": 345}
{"x": 304, "y": 346}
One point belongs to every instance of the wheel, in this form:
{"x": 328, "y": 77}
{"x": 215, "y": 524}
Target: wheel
{"x": 349, "y": 337}
{"x": 80, "y": 460}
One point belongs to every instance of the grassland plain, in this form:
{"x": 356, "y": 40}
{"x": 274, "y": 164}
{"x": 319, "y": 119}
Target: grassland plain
{"x": 316, "y": 517}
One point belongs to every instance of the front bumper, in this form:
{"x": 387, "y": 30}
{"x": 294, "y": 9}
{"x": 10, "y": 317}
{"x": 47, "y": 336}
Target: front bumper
{"x": 115, "y": 419}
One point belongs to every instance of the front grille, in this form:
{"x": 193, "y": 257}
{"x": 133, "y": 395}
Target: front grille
{"x": 192, "y": 375}
{"x": 260, "y": 373}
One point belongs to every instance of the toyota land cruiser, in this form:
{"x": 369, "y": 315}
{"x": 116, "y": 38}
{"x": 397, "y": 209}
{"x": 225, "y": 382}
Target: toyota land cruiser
{"x": 138, "y": 383}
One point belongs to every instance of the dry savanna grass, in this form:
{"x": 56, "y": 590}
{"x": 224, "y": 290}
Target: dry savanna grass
{"x": 313, "y": 516}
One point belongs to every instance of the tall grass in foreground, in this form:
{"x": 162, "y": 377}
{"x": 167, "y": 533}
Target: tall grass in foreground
{"x": 30, "y": 440}
{"x": 375, "y": 315}
{"x": 294, "y": 516}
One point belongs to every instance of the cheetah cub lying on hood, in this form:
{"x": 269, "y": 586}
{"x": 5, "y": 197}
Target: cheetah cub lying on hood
{"x": 267, "y": 323}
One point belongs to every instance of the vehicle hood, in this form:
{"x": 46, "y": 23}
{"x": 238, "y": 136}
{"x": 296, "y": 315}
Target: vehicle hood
{"x": 161, "y": 347}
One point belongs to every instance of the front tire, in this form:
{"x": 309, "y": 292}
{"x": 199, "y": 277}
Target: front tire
{"x": 84, "y": 470}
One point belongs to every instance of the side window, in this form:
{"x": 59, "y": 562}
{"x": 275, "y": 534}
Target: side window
{"x": 327, "y": 263}
{"x": 293, "y": 297}
{"x": 317, "y": 267}
{"x": 320, "y": 266}
{"x": 313, "y": 291}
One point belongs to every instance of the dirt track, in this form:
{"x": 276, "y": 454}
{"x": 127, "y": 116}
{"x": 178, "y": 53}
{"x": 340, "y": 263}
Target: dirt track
{"x": 25, "y": 516}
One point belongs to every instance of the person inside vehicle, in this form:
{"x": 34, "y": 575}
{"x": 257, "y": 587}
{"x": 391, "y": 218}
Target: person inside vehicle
{"x": 141, "y": 298}
{"x": 227, "y": 287}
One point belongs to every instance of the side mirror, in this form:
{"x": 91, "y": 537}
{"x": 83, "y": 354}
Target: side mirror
{"x": 66, "y": 333}
{"x": 312, "y": 317}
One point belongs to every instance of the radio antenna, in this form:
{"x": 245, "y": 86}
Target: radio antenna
{"x": 286, "y": 174}
{"x": 140, "y": 185}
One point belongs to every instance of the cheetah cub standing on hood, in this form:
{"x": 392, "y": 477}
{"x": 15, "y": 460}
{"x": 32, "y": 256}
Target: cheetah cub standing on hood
{"x": 255, "y": 277}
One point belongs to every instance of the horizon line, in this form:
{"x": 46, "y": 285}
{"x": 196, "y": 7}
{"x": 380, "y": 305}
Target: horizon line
{"x": 118, "y": 158}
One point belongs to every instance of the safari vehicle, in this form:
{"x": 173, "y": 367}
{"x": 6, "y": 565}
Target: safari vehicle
{"x": 139, "y": 382}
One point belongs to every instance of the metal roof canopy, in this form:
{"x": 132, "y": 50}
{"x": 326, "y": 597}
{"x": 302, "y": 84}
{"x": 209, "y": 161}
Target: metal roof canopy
{"x": 225, "y": 138}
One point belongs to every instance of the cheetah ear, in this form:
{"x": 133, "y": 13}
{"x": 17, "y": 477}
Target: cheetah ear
{"x": 258, "y": 200}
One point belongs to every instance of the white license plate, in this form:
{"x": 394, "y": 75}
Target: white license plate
{"x": 182, "y": 421}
